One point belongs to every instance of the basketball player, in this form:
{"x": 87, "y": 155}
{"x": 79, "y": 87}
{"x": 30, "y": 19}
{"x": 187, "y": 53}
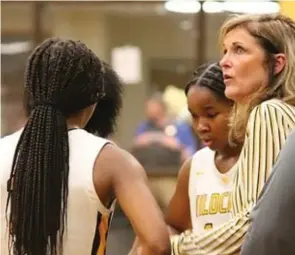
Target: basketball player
{"x": 202, "y": 197}
{"x": 58, "y": 182}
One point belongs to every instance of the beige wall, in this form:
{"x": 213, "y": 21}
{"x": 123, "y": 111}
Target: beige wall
{"x": 159, "y": 37}
{"x": 89, "y": 26}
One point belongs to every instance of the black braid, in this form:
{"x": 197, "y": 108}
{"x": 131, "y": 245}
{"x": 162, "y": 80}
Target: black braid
{"x": 209, "y": 76}
{"x": 62, "y": 77}
{"x": 103, "y": 120}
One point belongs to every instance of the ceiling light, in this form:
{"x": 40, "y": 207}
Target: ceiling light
{"x": 212, "y": 7}
{"x": 14, "y": 48}
{"x": 254, "y": 7}
{"x": 183, "y": 6}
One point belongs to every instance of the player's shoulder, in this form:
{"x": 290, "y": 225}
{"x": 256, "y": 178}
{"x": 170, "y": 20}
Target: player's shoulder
{"x": 203, "y": 154}
{"x": 83, "y": 134}
{"x": 115, "y": 159}
{"x": 80, "y": 138}
{"x": 202, "y": 163}
{"x": 202, "y": 160}
{"x": 10, "y": 140}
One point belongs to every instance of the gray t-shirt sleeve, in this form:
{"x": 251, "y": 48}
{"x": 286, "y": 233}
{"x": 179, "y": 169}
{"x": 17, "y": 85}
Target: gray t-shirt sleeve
{"x": 272, "y": 230}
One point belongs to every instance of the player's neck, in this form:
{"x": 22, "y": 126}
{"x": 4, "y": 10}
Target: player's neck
{"x": 78, "y": 120}
{"x": 73, "y": 123}
{"x": 229, "y": 151}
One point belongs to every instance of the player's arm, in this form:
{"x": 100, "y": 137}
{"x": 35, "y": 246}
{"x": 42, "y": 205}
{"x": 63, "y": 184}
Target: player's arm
{"x": 266, "y": 135}
{"x": 178, "y": 212}
{"x": 130, "y": 187}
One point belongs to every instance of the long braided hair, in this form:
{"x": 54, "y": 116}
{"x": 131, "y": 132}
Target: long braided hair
{"x": 62, "y": 77}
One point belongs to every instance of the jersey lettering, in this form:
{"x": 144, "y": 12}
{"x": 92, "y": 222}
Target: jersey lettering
{"x": 216, "y": 203}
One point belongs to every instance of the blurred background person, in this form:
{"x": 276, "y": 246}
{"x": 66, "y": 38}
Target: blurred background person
{"x": 158, "y": 130}
{"x": 157, "y": 118}
{"x": 176, "y": 101}
{"x": 158, "y": 149}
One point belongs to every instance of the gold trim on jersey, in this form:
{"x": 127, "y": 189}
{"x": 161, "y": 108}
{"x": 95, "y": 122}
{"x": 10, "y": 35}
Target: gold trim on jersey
{"x": 103, "y": 229}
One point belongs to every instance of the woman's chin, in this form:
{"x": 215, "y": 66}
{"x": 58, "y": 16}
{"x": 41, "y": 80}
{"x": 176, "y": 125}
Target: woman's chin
{"x": 233, "y": 94}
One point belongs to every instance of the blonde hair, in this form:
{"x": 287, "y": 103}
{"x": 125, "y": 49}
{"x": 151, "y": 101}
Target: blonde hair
{"x": 276, "y": 34}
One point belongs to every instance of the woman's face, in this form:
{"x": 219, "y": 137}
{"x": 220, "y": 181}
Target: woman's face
{"x": 243, "y": 65}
